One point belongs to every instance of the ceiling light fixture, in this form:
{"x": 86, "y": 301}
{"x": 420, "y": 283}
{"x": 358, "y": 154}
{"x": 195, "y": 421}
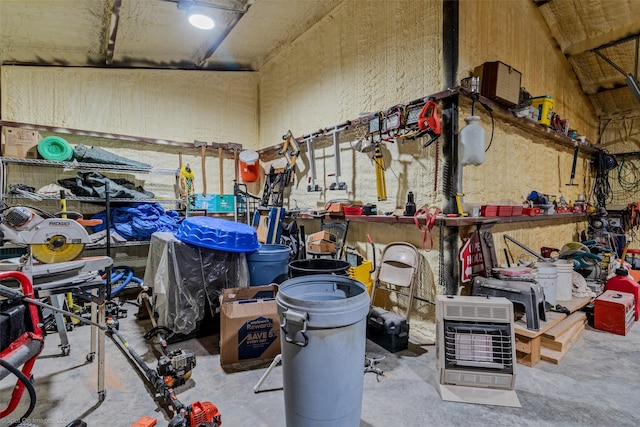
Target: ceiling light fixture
{"x": 198, "y": 15}
{"x": 199, "y": 19}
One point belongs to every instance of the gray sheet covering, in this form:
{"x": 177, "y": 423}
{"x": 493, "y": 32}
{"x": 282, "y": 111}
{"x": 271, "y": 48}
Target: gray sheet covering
{"x": 185, "y": 278}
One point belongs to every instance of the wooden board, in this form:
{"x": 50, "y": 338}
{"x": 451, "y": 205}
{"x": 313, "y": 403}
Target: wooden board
{"x": 561, "y": 342}
{"x": 553, "y": 318}
{"x": 565, "y": 325}
{"x": 575, "y": 304}
{"x": 555, "y": 356}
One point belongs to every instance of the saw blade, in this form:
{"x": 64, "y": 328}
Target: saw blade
{"x": 56, "y": 250}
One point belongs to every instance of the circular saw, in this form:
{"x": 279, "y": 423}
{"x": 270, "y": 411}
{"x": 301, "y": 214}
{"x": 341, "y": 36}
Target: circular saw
{"x": 51, "y": 240}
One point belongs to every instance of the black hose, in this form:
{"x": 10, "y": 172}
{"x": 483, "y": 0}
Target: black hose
{"x": 27, "y": 383}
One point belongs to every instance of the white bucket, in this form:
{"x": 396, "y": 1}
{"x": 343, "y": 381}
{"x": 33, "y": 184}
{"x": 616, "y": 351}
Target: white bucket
{"x": 564, "y": 286}
{"x": 548, "y": 279}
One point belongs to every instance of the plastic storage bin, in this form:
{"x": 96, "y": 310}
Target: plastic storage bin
{"x": 544, "y": 104}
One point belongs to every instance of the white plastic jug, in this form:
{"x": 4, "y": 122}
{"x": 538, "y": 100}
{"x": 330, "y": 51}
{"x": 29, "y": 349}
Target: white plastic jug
{"x": 471, "y": 142}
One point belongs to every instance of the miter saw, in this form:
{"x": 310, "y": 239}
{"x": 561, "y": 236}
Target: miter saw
{"x": 50, "y": 239}
{"x": 53, "y": 262}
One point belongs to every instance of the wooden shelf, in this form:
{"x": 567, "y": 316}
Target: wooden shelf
{"x": 499, "y": 111}
{"x": 528, "y": 125}
{"x": 466, "y": 221}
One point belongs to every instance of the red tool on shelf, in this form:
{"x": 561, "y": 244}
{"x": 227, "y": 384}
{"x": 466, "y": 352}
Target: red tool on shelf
{"x": 429, "y": 122}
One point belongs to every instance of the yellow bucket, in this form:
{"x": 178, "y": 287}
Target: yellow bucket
{"x": 544, "y": 104}
{"x": 362, "y": 274}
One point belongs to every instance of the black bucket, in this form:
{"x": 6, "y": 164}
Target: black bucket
{"x": 306, "y": 267}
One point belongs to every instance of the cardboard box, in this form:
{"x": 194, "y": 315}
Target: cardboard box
{"x": 249, "y": 326}
{"x": 321, "y": 246}
{"x": 20, "y": 143}
{"x": 322, "y": 235}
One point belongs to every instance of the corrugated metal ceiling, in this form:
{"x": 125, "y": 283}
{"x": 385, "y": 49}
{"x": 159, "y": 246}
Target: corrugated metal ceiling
{"x": 155, "y": 34}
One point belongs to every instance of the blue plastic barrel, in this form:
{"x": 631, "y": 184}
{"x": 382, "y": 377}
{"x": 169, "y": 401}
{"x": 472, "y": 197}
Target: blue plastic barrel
{"x": 269, "y": 264}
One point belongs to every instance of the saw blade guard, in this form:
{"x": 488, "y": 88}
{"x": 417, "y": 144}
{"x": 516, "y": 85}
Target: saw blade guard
{"x": 57, "y": 240}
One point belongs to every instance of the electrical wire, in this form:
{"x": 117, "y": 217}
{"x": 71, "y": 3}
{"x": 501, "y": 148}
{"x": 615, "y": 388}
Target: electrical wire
{"x": 30, "y": 389}
{"x": 601, "y": 191}
{"x": 475, "y": 97}
{"x": 629, "y": 173}
{"x": 493, "y": 124}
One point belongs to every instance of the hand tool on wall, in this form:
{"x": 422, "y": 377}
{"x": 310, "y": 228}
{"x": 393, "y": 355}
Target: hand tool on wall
{"x": 290, "y": 150}
{"x": 221, "y": 163}
{"x": 421, "y": 119}
{"x": 278, "y": 179}
{"x": 429, "y": 122}
{"x": 203, "y": 155}
{"x": 185, "y": 187}
{"x": 381, "y": 184}
{"x": 334, "y": 131}
{"x": 461, "y": 211}
{"x": 312, "y": 187}
{"x": 576, "y": 149}
{"x": 236, "y": 165}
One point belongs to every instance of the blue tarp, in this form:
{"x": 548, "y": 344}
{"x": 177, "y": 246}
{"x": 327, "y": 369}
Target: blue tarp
{"x": 137, "y": 221}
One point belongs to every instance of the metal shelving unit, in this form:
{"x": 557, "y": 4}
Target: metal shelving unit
{"x": 4, "y": 194}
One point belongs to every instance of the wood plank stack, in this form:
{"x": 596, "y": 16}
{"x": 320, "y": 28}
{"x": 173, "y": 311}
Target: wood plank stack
{"x": 557, "y": 341}
{"x": 556, "y": 335}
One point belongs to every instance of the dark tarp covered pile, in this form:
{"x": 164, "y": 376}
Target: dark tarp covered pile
{"x": 82, "y": 153}
{"x": 93, "y": 184}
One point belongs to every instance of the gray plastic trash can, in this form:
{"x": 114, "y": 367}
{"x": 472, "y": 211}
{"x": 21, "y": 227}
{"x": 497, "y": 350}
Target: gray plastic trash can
{"x": 323, "y": 336}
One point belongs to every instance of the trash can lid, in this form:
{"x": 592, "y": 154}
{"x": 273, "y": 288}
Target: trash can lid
{"x": 55, "y": 148}
{"x": 330, "y": 301}
{"x": 220, "y": 234}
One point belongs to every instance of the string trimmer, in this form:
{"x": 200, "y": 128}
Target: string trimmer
{"x": 198, "y": 414}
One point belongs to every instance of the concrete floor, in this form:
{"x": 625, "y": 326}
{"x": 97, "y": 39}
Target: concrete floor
{"x": 596, "y": 384}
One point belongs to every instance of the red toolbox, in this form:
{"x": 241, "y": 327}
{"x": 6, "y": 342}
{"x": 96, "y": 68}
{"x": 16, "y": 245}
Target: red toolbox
{"x": 614, "y": 312}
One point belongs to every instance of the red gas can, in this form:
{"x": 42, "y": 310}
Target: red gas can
{"x": 623, "y": 282}
{"x": 614, "y": 312}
